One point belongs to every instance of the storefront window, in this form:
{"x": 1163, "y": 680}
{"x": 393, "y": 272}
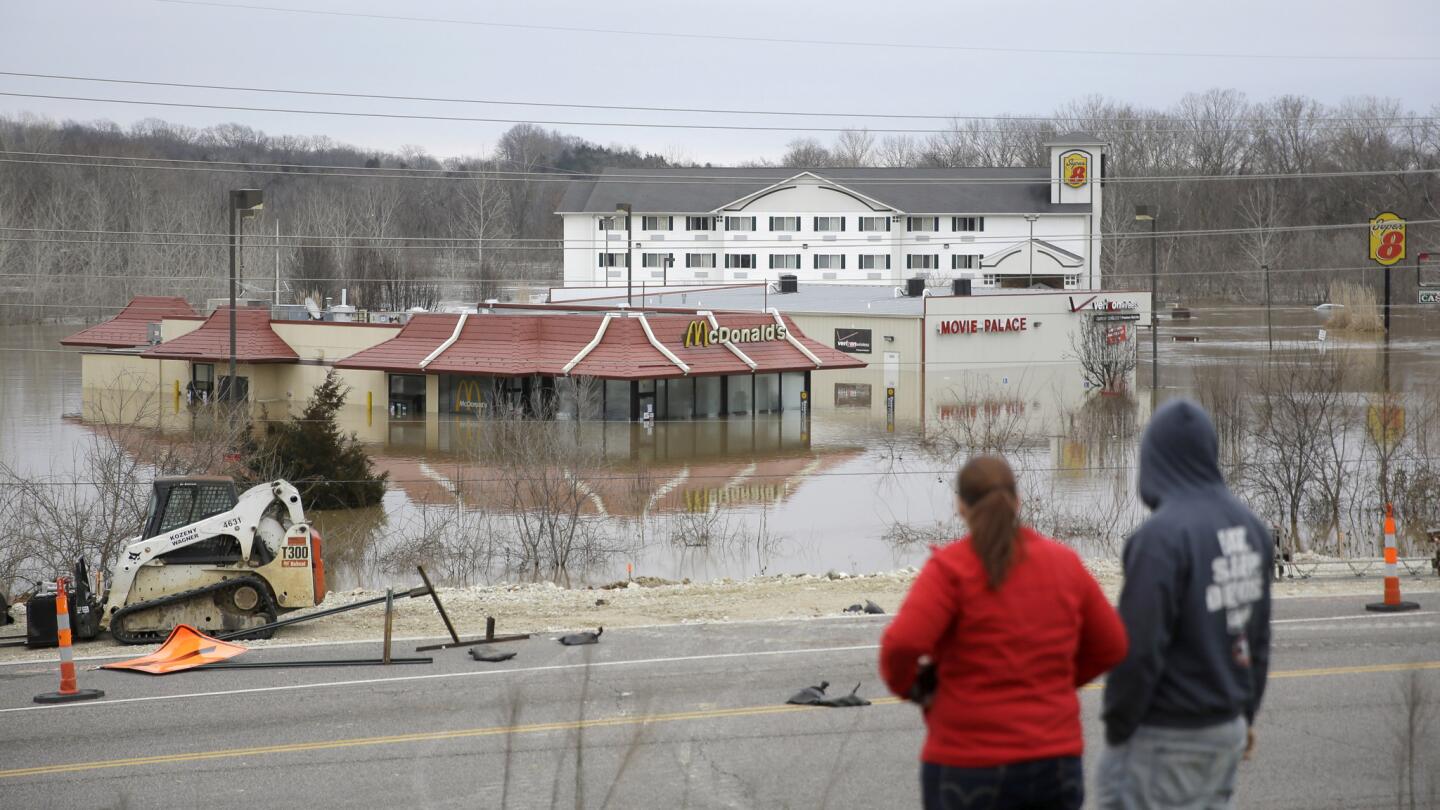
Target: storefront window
{"x": 407, "y": 395}
{"x": 742, "y": 390}
{"x": 567, "y": 405}
{"x": 707, "y": 397}
{"x": 680, "y": 398}
{"x": 791, "y": 384}
{"x": 617, "y": 400}
{"x": 767, "y": 393}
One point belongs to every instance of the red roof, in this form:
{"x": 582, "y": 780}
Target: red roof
{"x": 255, "y": 341}
{"x": 131, "y": 326}
{"x": 534, "y": 343}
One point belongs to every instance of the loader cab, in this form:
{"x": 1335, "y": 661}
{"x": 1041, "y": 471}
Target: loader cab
{"x": 181, "y": 500}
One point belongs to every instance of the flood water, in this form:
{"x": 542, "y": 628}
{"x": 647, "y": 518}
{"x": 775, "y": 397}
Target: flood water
{"x": 837, "y": 491}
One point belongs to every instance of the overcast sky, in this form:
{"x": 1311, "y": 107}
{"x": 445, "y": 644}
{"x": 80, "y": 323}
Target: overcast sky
{"x": 152, "y": 40}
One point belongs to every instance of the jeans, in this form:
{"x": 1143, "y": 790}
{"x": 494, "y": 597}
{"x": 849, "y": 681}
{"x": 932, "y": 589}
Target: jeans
{"x": 1041, "y": 784}
{"x": 1173, "y": 768}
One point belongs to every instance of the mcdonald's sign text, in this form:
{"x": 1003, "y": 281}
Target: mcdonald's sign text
{"x": 700, "y": 333}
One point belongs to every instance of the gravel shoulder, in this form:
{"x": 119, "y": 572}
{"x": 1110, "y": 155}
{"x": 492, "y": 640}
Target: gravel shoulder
{"x": 541, "y": 608}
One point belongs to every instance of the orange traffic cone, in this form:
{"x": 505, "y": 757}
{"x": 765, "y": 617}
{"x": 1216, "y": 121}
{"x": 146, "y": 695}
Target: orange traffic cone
{"x": 68, "y": 690}
{"x": 1392, "y": 603}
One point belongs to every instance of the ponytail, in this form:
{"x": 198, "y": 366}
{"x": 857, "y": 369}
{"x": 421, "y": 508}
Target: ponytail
{"x": 986, "y": 485}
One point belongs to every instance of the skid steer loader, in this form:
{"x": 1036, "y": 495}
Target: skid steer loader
{"x": 215, "y": 561}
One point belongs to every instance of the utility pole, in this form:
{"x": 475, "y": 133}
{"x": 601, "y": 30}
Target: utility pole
{"x": 277, "y": 262}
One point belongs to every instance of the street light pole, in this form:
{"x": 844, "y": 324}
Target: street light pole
{"x": 665, "y": 274}
{"x": 234, "y": 216}
{"x": 1150, "y": 213}
{"x": 244, "y": 200}
{"x": 1154, "y": 316}
{"x": 1030, "y": 281}
{"x": 623, "y": 209}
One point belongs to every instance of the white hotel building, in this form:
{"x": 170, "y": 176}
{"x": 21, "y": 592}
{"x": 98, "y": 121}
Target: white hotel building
{"x": 999, "y": 227}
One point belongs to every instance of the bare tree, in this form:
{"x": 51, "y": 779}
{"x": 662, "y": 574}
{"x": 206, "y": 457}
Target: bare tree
{"x": 854, "y": 147}
{"x": 1106, "y": 353}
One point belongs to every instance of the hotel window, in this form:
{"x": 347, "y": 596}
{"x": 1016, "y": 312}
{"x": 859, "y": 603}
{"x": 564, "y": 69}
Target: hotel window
{"x": 989, "y": 279}
{"x": 653, "y": 223}
{"x": 784, "y": 223}
{"x": 959, "y": 262}
{"x": 785, "y": 261}
{"x": 874, "y": 261}
{"x": 743, "y": 261}
{"x": 874, "y": 223}
{"x": 655, "y": 259}
{"x": 699, "y": 223}
{"x": 967, "y": 223}
{"x": 922, "y": 223}
{"x": 923, "y": 261}
{"x": 1072, "y": 281}
{"x": 829, "y": 261}
{"x": 613, "y": 223}
{"x": 739, "y": 223}
{"x": 829, "y": 223}
{"x": 614, "y": 260}
{"x": 699, "y": 259}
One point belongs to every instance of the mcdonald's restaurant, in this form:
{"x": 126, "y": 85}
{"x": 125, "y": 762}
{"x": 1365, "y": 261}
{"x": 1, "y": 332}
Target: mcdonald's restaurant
{"x": 597, "y": 364}
{"x": 594, "y": 365}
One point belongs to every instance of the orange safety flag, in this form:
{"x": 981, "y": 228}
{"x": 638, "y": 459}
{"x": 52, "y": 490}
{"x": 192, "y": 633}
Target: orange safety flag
{"x": 186, "y": 648}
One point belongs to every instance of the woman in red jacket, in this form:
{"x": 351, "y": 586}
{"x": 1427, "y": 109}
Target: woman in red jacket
{"x": 997, "y": 633}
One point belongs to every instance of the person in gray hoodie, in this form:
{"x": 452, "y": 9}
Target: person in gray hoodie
{"x": 1196, "y": 603}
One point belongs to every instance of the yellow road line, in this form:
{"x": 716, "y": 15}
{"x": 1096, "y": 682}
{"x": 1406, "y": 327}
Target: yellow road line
{"x": 565, "y": 725}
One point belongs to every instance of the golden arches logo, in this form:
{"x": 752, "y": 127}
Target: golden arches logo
{"x": 1075, "y": 169}
{"x": 469, "y": 396}
{"x": 697, "y": 334}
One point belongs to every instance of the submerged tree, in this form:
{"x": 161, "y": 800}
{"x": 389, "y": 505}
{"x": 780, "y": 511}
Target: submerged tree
{"x": 332, "y": 470}
{"x": 1106, "y": 353}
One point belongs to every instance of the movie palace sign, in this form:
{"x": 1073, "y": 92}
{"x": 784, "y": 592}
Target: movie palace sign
{"x": 700, "y": 333}
{"x": 977, "y": 325}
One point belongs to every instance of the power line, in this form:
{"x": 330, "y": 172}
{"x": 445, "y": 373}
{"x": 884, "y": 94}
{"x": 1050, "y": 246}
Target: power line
{"x": 910, "y": 46}
{"x": 499, "y": 175}
{"x": 646, "y": 284}
{"x": 816, "y": 243}
{"x": 1144, "y": 124}
{"x": 566, "y": 123}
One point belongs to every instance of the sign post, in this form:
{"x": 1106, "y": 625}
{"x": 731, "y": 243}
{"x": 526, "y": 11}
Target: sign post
{"x": 1387, "y": 248}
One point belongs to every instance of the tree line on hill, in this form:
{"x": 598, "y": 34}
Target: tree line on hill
{"x": 82, "y": 238}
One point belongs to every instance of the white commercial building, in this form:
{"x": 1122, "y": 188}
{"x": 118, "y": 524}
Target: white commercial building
{"x": 998, "y": 227}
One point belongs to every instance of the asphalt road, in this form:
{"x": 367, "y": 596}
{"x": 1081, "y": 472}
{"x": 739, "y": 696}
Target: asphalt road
{"x": 671, "y": 717}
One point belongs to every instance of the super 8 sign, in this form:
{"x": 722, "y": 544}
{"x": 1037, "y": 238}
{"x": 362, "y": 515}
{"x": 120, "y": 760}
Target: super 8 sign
{"x": 1387, "y": 238}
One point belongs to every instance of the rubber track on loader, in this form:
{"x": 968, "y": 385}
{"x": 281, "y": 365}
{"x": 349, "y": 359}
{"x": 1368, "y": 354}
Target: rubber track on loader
{"x": 117, "y": 622}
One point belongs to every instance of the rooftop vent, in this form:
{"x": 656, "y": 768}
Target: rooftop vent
{"x": 789, "y": 283}
{"x": 915, "y": 287}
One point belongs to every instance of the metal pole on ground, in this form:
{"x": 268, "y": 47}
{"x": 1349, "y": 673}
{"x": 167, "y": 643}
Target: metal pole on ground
{"x": 69, "y": 690}
{"x": 389, "y": 622}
